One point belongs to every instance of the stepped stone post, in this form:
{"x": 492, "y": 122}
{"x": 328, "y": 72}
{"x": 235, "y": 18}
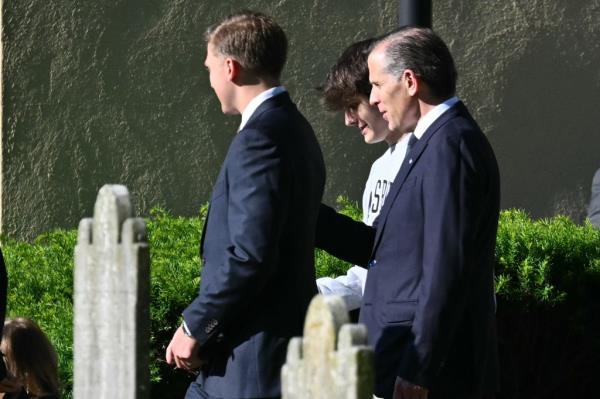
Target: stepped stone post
{"x": 111, "y": 295}
{"x": 332, "y": 360}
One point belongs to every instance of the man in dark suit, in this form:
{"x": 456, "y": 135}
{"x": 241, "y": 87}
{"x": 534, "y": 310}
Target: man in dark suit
{"x": 429, "y": 297}
{"x": 258, "y": 242}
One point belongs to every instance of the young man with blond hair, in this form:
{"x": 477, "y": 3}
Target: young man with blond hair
{"x": 258, "y": 241}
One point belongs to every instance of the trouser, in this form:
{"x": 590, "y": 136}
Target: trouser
{"x": 195, "y": 391}
{"x": 453, "y": 396}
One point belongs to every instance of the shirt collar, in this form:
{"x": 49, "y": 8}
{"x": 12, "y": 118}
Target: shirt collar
{"x": 437, "y": 111}
{"x": 257, "y": 101}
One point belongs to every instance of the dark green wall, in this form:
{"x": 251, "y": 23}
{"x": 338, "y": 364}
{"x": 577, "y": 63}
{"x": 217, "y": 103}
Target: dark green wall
{"x": 114, "y": 91}
{"x": 529, "y": 70}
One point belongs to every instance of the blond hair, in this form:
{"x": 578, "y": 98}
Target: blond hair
{"x": 253, "y": 39}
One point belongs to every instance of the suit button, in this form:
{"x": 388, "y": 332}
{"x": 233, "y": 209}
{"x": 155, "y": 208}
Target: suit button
{"x": 211, "y": 326}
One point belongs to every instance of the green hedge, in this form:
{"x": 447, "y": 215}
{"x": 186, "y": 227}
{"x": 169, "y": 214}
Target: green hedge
{"x": 548, "y": 283}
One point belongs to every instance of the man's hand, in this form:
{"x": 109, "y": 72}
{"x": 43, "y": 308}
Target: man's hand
{"x": 10, "y": 384}
{"x": 405, "y": 390}
{"x": 183, "y": 351}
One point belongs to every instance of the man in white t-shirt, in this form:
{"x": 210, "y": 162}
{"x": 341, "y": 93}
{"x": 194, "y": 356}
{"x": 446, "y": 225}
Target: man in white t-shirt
{"x": 347, "y": 89}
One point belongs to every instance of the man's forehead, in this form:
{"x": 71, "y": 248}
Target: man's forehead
{"x": 213, "y": 53}
{"x": 374, "y": 64}
{"x": 211, "y": 49}
{"x": 376, "y": 55}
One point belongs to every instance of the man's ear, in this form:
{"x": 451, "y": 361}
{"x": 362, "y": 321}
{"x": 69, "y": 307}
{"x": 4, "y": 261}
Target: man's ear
{"x": 232, "y": 69}
{"x": 410, "y": 81}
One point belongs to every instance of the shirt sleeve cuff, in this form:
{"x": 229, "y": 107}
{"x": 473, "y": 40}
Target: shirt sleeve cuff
{"x": 185, "y": 329}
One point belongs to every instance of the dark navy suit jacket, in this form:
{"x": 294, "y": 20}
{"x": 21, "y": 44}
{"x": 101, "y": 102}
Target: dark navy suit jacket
{"x": 258, "y": 252}
{"x": 429, "y": 298}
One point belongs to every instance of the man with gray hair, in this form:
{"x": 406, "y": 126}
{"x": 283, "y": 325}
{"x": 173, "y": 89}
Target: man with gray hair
{"x": 429, "y": 298}
{"x": 432, "y": 297}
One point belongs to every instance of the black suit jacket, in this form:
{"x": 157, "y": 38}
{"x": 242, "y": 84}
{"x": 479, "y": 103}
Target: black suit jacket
{"x": 429, "y": 297}
{"x": 258, "y": 248}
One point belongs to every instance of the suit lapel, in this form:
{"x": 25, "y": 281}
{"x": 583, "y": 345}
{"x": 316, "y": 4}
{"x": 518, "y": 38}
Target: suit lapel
{"x": 278, "y": 100}
{"x": 410, "y": 160}
{"x": 399, "y": 180}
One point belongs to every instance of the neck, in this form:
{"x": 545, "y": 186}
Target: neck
{"x": 427, "y": 101}
{"x": 427, "y": 104}
{"x": 247, "y": 92}
{"x": 394, "y": 137}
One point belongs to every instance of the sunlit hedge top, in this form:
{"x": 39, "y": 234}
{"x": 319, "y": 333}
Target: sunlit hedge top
{"x": 539, "y": 263}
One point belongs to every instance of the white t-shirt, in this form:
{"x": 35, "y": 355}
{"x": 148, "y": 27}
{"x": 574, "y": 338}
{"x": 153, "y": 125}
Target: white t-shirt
{"x": 382, "y": 175}
{"x": 383, "y": 172}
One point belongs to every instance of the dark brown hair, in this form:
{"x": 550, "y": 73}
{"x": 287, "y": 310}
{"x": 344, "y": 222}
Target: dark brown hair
{"x": 425, "y": 53}
{"x": 348, "y": 80}
{"x": 30, "y": 357}
{"x": 253, "y": 39}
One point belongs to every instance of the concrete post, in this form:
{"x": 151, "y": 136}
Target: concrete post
{"x": 111, "y": 296}
{"x": 332, "y": 361}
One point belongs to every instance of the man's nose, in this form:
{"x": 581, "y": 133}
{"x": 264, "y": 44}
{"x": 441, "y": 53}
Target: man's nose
{"x": 373, "y": 97}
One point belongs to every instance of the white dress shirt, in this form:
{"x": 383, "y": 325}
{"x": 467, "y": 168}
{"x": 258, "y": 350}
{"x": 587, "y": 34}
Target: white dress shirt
{"x": 257, "y": 101}
{"x": 430, "y": 117}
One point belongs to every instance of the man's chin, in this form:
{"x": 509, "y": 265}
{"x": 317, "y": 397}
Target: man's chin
{"x": 373, "y": 139}
{"x": 229, "y": 111}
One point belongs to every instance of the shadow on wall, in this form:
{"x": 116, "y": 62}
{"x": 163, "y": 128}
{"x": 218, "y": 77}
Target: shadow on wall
{"x": 548, "y": 141}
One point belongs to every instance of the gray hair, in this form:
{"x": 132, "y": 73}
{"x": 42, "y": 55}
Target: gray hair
{"x": 424, "y": 53}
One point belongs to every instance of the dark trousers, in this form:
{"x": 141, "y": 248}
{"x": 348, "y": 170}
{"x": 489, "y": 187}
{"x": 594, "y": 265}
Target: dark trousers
{"x": 438, "y": 395}
{"x": 195, "y": 391}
